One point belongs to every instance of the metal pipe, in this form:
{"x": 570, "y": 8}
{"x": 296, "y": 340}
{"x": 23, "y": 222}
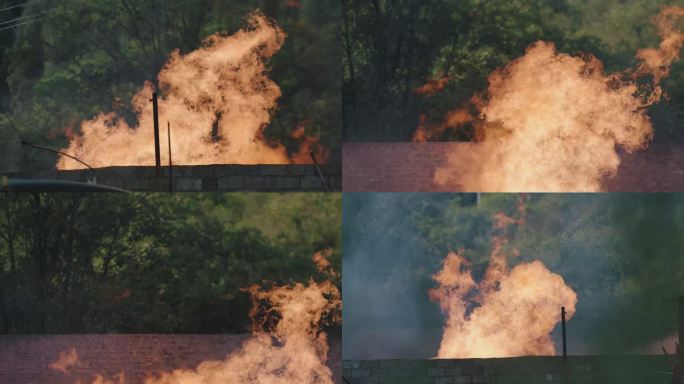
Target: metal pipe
{"x": 155, "y": 114}
{"x": 27, "y": 144}
{"x": 168, "y": 132}
{"x": 565, "y": 350}
{"x": 319, "y": 172}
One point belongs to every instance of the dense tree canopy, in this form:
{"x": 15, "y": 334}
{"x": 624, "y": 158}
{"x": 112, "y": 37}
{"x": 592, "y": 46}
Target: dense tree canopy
{"x": 621, "y": 254}
{"x": 391, "y": 48}
{"x": 154, "y": 262}
{"x": 70, "y": 60}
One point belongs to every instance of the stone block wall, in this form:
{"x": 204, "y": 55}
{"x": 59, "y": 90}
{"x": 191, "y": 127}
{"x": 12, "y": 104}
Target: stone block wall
{"x": 521, "y": 370}
{"x": 263, "y": 177}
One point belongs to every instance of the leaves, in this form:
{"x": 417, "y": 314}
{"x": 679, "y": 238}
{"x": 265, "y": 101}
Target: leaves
{"x": 85, "y": 55}
{"x": 153, "y": 262}
{"x": 391, "y": 50}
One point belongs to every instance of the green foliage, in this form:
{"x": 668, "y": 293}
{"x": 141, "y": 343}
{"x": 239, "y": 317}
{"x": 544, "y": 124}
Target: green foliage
{"x": 85, "y": 57}
{"x": 392, "y": 48}
{"x": 153, "y": 262}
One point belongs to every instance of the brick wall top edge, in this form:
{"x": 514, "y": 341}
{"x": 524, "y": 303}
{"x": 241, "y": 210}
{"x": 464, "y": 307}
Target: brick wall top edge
{"x": 491, "y": 360}
{"x": 331, "y": 168}
{"x": 85, "y": 335}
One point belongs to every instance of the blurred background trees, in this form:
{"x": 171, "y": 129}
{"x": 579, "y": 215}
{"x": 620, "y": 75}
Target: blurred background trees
{"x": 621, "y": 254}
{"x": 167, "y": 263}
{"x": 391, "y": 48}
{"x": 72, "y": 59}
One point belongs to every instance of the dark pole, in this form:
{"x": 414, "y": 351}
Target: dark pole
{"x": 168, "y": 131}
{"x": 680, "y": 348}
{"x": 318, "y": 170}
{"x": 27, "y": 144}
{"x": 565, "y": 350}
{"x": 155, "y": 112}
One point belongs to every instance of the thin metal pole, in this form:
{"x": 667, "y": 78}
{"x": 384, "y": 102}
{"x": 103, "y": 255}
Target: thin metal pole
{"x": 565, "y": 350}
{"x": 36, "y": 146}
{"x": 319, "y": 171}
{"x": 168, "y": 131}
{"x": 155, "y": 113}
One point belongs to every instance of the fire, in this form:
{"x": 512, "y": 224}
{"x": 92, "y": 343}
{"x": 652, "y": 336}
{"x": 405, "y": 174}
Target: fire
{"x": 453, "y": 119}
{"x": 217, "y": 101}
{"x": 552, "y": 122}
{"x": 287, "y": 345}
{"x": 323, "y": 265}
{"x": 65, "y": 361}
{"x": 308, "y": 146}
{"x": 432, "y": 86}
{"x": 508, "y": 313}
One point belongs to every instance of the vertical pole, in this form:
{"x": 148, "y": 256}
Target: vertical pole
{"x": 157, "y": 157}
{"x": 318, "y": 170}
{"x": 168, "y": 132}
{"x": 680, "y": 355}
{"x": 565, "y": 350}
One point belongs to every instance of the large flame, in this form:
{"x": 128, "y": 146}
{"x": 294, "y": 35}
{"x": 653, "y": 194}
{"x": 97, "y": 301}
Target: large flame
{"x": 508, "y": 313}
{"x": 552, "y": 122}
{"x": 287, "y": 346}
{"x": 217, "y": 101}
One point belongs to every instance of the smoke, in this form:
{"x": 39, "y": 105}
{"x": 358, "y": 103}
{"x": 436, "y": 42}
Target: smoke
{"x": 618, "y": 252}
{"x": 217, "y": 101}
{"x": 384, "y": 280}
{"x": 644, "y": 306}
{"x": 553, "y": 122}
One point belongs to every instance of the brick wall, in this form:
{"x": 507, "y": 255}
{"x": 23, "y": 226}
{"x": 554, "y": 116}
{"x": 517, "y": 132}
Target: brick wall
{"x": 291, "y": 177}
{"x": 26, "y": 359}
{"x": 410, "y": 167}
{"x": 522, "y": 370}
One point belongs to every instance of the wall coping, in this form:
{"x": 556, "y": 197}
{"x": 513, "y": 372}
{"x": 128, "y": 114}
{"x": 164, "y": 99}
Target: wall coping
{"x": 218, "y": 177}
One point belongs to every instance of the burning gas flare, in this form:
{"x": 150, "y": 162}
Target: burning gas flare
{"x": 287, "y": 345}
{"x": 217, "y": 100}
{"x": 508, "y": 313}
{"x": 552, "y": 122}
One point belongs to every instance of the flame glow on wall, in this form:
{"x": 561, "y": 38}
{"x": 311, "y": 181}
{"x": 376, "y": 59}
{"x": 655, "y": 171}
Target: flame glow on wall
{"x": 217, "y": 99}
{"x": 287, "y": 345}
{"x": 550, "y": 121}
{"x": 510, "y": 312}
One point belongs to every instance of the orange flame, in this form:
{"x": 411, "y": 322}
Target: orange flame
{"x": 323, "y": 265}
{"x": 552, "y": 122}
{"x": 657, "y": 61}
{"x": 512, "y": 312}
{"x": 65, "y": 361}
{"x": 432, "y": 86}
{"x": 308, "y": 145}
{"x": 217, "y": 99}
{"x": 453, "y": 119}
{"x": 287, "y": 346}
